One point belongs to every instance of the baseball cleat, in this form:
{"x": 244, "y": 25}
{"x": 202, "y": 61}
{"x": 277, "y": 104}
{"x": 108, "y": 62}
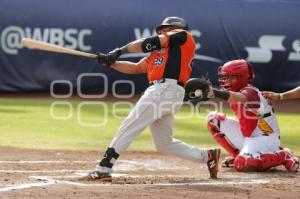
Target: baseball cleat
{"x": 291, "y": 163}
{"x": 213, "y": 162}
{"x": 294, "y": 165}
{"x": 228, "y": 162}
{"x": 97, "y": 177}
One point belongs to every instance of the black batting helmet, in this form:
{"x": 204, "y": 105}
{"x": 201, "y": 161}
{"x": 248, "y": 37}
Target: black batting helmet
{"x": 175, "y": 22}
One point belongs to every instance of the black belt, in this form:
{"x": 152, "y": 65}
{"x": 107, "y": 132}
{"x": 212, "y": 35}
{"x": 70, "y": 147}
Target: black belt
{"x": 266, "y": 114}
{"x": 162, "y": 81}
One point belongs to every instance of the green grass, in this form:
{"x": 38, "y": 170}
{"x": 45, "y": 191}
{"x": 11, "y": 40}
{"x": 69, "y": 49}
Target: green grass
{"x": 28, "y": 123}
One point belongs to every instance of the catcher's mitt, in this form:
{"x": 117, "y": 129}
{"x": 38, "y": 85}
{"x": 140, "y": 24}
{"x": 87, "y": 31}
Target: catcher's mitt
{"x": 197, "y": 90}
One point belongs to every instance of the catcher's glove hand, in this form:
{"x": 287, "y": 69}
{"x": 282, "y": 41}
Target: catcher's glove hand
{"x": 198, "y": 90}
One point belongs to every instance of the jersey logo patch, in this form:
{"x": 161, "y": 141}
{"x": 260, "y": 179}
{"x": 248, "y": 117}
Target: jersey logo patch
{"x": 158, "y": 61}
{"x": 264, "y": 126}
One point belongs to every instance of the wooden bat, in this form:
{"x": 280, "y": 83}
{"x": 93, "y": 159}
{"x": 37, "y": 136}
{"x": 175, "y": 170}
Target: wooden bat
{"x": 40, "y": 45}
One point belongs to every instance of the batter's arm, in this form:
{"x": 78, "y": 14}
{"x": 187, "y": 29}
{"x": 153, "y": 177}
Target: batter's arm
{"x": 156, "y": 42}
{"x": 130, "y": 67}
{"x": 143, "y": 45}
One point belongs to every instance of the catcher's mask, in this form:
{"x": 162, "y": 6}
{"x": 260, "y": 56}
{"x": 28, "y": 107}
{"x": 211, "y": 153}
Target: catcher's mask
{"x": 174, "y": 22}
{"x": 196, "y": 89}
{"x": 235, "y": 75}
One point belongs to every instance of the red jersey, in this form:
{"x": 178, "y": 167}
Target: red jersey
{"x": 246, "y": 112}
{"x": 174, "y": 59}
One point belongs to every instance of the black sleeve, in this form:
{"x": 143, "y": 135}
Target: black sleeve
{"x": 150, "y": 44}
{"x": 221, "y": 94}
{"x": 178, "y": 39}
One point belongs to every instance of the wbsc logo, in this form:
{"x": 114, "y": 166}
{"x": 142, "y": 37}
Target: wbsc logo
{"x": 269, "y": 43}
{"x": 72, "y": 38}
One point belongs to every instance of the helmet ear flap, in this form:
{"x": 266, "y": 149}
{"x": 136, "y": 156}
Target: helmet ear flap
{"x": 221, "y": 77}
{"x": 251, "y": 71}
{"x": 219, "y": 69}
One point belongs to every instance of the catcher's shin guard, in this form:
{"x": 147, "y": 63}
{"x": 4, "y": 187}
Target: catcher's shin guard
{"x": 263, "y": 162}
{"x": 213, "y": 125}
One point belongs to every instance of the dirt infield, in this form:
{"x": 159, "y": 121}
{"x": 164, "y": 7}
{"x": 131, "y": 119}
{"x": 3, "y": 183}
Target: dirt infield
{"x": 45, "y": 174}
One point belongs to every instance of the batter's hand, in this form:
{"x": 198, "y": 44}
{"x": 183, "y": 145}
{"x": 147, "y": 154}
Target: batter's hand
{"x": 113, "y": 56}
{"x": 110, "y": 58}
{"x": 102, "y": 58}
{"x": 271, "y": 95}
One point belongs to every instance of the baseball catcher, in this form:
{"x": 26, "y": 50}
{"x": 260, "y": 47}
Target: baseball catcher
{"x": 253, "y": 138}
{"x": 168, "y": 69}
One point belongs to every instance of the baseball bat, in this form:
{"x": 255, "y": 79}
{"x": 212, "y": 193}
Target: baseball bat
{"x": 40, "y": 45}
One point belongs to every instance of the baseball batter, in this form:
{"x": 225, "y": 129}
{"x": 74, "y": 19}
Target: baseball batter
{"x": 168, "y": 68}
{"x": 253, "y": 139}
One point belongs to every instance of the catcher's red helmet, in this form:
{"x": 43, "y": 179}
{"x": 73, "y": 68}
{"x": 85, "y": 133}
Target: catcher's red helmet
{"x": 235, "y": 75}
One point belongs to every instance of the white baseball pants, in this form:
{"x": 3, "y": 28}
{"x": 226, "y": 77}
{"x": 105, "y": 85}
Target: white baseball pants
{"x": 156, "y": 108}
{"x": 249, "y": 145}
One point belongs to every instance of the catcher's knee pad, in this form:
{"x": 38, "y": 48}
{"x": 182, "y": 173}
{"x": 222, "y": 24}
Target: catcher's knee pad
{"x": 213, "y": 120}
{"x": 213, "y": 124}
{"x": 215, "y": 115}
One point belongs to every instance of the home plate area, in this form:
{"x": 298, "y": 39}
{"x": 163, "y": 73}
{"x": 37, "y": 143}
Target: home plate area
{"x": 124, "y": 178}
{"x": 136, "y": 173}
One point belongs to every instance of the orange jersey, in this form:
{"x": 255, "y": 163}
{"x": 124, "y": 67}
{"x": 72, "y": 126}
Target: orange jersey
{"x": 172, "y": 61}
